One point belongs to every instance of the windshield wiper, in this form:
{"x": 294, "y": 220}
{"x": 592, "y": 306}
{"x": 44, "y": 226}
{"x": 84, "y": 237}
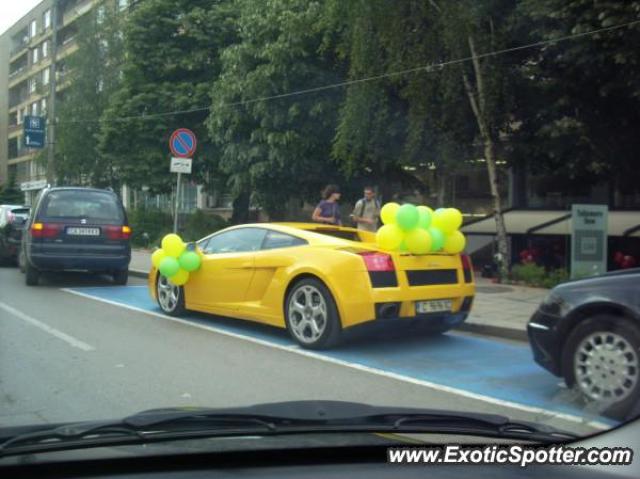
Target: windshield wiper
{"x": 293, "y": 417}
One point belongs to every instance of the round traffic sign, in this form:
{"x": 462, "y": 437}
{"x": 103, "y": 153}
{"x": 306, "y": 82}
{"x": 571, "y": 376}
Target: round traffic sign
{"x": 182, "y": 143}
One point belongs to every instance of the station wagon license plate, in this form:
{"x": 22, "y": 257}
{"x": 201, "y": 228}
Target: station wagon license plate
{"x": 436, "y": 306}
{"x": 83, "y": 231}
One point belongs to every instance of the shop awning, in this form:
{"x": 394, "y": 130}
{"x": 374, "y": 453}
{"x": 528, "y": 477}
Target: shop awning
{"x": 549, "y": 222}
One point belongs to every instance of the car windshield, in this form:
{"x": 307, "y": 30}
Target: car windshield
{"x": 406, "y": 204}
{"x": 80, "y": 204}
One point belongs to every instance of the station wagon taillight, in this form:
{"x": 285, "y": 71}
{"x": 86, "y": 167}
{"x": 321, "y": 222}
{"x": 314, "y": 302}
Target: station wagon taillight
{"x": 117, "y": 232}
{"x": 45, "y": 230}
{"x": 377, "y": 261}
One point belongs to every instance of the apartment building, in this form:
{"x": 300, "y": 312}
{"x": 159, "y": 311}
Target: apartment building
{"x": 28, "y": 62}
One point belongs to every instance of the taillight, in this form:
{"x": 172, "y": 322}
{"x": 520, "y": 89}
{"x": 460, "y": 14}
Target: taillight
{"x": 117, "y": 232}
{"x": 377, "y": 261}
{"x": 45, "y": 230}
{"x": 467, "y": 267}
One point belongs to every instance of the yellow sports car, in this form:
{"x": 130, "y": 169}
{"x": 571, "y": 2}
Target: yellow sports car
{"x": 317, "y": 281}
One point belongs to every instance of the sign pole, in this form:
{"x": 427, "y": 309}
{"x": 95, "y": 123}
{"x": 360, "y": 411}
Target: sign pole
{"x": 175, "y": 217}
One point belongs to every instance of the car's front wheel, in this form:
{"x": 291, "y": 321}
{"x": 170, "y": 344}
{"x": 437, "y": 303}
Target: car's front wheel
{"x": 601, "y": 359}
{"x": 311, "y": 315}
{"x": 170, "y": 297}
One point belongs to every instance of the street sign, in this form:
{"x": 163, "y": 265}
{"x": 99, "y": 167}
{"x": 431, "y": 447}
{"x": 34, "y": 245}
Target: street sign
{"x": 181, "y": 165}
{"x": 33, "y": 134}
{"x": 589, "y": 232}
{"x": 182, "y": 143}
{"x": 33, "y": 185}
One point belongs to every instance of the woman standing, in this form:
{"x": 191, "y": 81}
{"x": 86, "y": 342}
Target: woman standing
{"x": 328, "y": 210}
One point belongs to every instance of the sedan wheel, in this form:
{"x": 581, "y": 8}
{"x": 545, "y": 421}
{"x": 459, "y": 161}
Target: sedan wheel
{"x": 606, "y": 367}
{"x": 311, "y": 315}
{"x": 170, "y": 296}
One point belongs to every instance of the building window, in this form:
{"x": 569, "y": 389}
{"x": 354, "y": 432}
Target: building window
{"x": 34, "y": 55}
{"x": 33, "y": 29}
{"x": 45, "y": 76}
{"x": 45, "y": 49}
{"x": 32, "y": 85}
{"x": 46, "y": 19}
{"x": 43, "y": 107}
{"x": 34, "y": 109}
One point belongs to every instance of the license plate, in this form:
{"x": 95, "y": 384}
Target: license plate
{"x": 83, "y": 231}
{"x": 436, "y": 306}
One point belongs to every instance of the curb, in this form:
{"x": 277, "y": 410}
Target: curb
{"x": 480, "y": 329}
{"x": 137, "y": 273}
{"x": 494, "y": 331}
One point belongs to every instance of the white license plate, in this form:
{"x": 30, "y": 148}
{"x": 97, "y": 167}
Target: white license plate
{"x": 83, "y": 231}
{"x": 436, "y": 306}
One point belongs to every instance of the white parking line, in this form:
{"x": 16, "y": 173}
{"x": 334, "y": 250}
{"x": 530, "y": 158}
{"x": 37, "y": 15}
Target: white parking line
{"x": 295, "y": 349}
{"x": 76, "y": 343}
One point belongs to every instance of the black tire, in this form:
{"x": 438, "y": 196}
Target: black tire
{"x": 178, "y": 307}
{"x": 31, "y": 274}
{"x": 332, "y": 331}
{"x": 608, "y": 324}
{"x": 121, "y": 277}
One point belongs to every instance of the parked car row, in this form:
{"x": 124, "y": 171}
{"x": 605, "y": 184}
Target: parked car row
{"x": 67, "y": 229}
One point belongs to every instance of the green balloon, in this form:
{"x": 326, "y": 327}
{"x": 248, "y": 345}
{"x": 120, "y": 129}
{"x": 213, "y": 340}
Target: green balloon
{"x": 407, "y": 217}
{"x": 424, "y": 218}
{"x": 437, "y": 239}
{"x": 169, "y": 266}
{"x": 403, "y": 247}
{"x": 189, "y": 261}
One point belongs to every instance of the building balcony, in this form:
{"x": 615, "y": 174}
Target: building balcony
{"x": 13, "y": 130}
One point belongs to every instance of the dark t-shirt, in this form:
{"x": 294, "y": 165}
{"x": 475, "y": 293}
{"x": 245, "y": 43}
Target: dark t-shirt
{"x": 329, "y": 209}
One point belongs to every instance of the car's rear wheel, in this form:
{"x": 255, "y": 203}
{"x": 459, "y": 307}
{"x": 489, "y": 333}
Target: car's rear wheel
{"x": 601, "y": 360}
{"x": 31, "y": 274}
{"x": 311, "y": 315}
{"x": 170, "y": 296}
{"x": 121, "y": 277}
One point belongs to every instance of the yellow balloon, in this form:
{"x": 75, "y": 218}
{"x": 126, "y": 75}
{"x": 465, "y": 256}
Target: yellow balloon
{"x": 454, "y": 243}
{"x": 446, "y": 220}
{"x": 455, "y": 217}
{"x": 180, "y": 278}
{"x": 157, "y": 256}
{"x": 388, "y": 213}
{"x": 418, "y": 241}
{"x": 173, "y": 245}
{"x": 389, "y": 237}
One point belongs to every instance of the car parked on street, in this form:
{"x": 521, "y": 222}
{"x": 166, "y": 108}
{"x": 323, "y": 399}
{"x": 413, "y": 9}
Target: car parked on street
{"x": 75, "y": 228}
{"x": 588, "y": 332}
{"x": 12, "y": 221}
{"x": 317, "y": 281}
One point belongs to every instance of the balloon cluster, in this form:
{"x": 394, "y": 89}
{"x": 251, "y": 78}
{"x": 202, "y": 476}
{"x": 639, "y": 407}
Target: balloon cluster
{"x": 174, "y": 261}
{"x": 420, "y": 230}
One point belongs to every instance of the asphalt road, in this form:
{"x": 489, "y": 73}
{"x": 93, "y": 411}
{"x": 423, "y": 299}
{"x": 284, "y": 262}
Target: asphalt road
{"x": 65, "y": 357}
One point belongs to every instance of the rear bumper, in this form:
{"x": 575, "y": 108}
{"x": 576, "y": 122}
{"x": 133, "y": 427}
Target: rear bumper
{"x": 544, "y": 342}
{"x": 56, "y": 258}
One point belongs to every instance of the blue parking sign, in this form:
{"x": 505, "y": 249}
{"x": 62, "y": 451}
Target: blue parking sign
{"x": 34, "y": 131}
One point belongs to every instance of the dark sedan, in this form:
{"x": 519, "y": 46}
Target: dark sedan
{"x": 588, "y": 332}
{"x": 12, "y": 221}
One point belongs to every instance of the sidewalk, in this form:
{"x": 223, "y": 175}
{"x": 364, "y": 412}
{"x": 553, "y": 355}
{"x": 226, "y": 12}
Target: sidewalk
{"x": 498, "y": 310}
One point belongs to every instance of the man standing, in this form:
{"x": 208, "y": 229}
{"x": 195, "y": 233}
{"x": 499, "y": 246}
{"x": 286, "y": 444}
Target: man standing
{"x": 367, "y": 211}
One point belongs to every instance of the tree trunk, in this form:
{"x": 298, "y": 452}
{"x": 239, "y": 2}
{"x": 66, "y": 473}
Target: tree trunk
{"x": 477, "y": 101}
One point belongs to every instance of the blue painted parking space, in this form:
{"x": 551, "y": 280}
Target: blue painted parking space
{"x": 482, "y": 366}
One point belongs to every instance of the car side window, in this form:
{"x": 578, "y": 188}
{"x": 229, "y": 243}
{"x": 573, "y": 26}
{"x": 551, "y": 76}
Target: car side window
{"x": 235, "y": 241}
{"x": 276, "y": 239}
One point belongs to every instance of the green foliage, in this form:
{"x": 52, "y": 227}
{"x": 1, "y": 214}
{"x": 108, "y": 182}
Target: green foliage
{"x": 533, "y": 275}
{"x": 200, "y": 224}
{"x": 9, "y": 192}
{"x": 279, "y": 149}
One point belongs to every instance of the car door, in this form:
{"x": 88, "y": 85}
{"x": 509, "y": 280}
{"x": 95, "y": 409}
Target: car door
{"x": 221, "y": 283}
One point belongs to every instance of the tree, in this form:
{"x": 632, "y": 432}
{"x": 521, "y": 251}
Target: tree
{"x": 171, "y": 53}
{"x": 278, "y": 148}
{"x": 94, "y": 74}
{"x": 9, "y": 192}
